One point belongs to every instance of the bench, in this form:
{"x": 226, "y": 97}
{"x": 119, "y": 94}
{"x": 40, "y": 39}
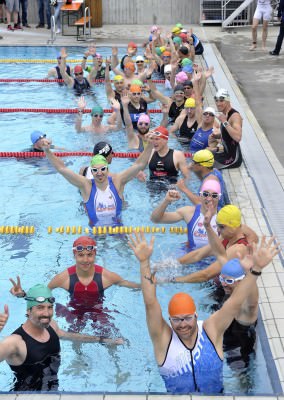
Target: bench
{"x": 82, "y": 23}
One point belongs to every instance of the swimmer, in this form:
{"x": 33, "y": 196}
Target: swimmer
{"x": 78, "y": 83}
{"x": 55, "y": 73}
{"x": 131, "y": 52}
{"x": 102, "y": 188}
{"x": 102, "y": 148}
{"x": 236, "y": 238}
{"x": 37, "y": 139}
{"x": 136, "y": 104}
{"x": 97, "y": 62}
{"x": 97, "y": 114}
{"x": 202, "y": 165}
{"x": 140, "y": 65}
{"x": 33, "y": 350}
{"x": 231, "y": 132}
{"x": 193, "y": 216}
{"x": 186, "y": 338}
{"x": 263, "y": 11}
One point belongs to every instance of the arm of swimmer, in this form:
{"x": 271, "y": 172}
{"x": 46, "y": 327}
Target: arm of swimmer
{"x": 69, "y": 81}
{"x": 235, "y": 127}
{"x": 159, "y": 215}
{"x": 111, "y": 278}
{"x": 108, "y": 88}
{"x": 10, "y": 350}
{"x": 250, "y": 234}
{"x": 196, "y": 255}
{"x": 80, "y": 337}
{"x": 60, "y": 280}
{"x": 180, "y": 162}
{"x": 203, "y": 275}
{"x": 217, "y": 247}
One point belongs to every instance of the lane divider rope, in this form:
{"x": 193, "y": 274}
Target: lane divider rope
{"x": 8, "y": 80}
{"x": 36, "y": 154}
{"x": 61, "y": 110}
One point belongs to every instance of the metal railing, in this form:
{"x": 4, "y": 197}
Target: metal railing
{"x": 218, "y": 11}
{"x": 52, "y": 31}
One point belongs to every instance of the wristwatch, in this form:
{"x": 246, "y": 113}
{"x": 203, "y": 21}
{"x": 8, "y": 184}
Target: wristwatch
{"x": 225, "y": 124}
{"x": 257, "y": 273}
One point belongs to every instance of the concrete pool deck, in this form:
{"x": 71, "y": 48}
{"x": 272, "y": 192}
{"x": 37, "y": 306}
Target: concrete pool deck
{"x": 246, "y": 186}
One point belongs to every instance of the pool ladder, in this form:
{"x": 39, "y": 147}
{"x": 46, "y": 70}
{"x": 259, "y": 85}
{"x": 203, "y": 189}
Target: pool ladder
{"x": 52, "y": 31}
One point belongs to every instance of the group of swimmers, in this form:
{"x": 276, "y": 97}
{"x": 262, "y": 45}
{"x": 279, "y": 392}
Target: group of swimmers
{"x": 189, "y": 352}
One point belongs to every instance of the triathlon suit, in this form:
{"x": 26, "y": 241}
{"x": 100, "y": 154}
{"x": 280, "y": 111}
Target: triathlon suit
{"x": 224, "y": 197}
{"x": 80, "y": 88}
{"x": 199, "y": 140}
{"x": 136, "y": 112}
{"x": 242, "y": 240}
{"x": 186, "y": 370}
{"x": 39, "y": 370}
{"x": 163, "y": 167}
{"x": 196, "y": 233}
{"x": 185, "y": 133}
{"x": 175, "y": 111}
{"x": 59, "y": 76}
{"x": 85, "y": 296}
{"x": 117, "y": 97}
{"x": 197, "y": 45}
{"x": 104, "y": 206}
{"x": 101, "y": 73}
{"x": 231, "y": 157}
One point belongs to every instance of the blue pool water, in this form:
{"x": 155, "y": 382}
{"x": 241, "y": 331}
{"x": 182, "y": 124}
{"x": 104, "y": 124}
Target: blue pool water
{"x": 33, "y": 194}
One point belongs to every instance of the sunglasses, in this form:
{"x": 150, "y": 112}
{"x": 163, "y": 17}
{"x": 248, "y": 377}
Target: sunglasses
{"x": 41, "y": 299}
{"x": 88, "y": 248}
{"x": 136, "y": 94}
{"x": 96, "y": 170}
{"x": 176, "y": 320}
{"x": 98, "y": 115}
{"x": 139, "y": 62}
{"x": 230, "y": 281}
{"x": 143, "y": 123}
{"x": 208, "y": 194}
{"x": 206, "y": 114}
{"x": 78, "y": 73}
{"x": 221, "y": 99}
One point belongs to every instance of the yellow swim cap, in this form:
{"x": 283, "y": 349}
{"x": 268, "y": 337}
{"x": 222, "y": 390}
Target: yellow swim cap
{"x": 176, "y": 29}
{"x": 190, "y": 103}
{"x": 230, "y": 216}
{"x": 118, "y": 78}
{"x": 204, "y": 157}
{"x": 181, "y": 303}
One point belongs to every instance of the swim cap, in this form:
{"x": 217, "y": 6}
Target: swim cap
{"x": 233, "y": 268}
{"x": 154, "y": 29}
{"x": 186, "y": 61}
{"x": 118, "y": 78}
{"x": 181, "y": 303}
{"x": 189, "y": 103}
{"x": 183, "y": 50}
{"x": 135, "y": 89}
{"x": 98, "y": 160}
{"x": 176, "y": 30}
{"x": 230, "y": 216}
{"x": 132, "y": 45}
{"x": 139, "y": 58}
{"x": 36, "y": 135}
{"x": 161, "y": 132}
{"x": 102, "y": 148}
{"x": 58, "y": 55}
{"x": 166, "y": 53}
{"x": 188, "y": 83}
{"x": 38, "y": 290}
{"x": 78, "y": 69}
{"x": 168, "y": 68}
{"x": 188, "y": 69}
{"x": 130, "y": 65}
{"x": 97, "y": 110}
{"x": 137, "y": 82}
{"x": 183, "y": 36}
{"x": 179, "y": 25}
{"x": 212, "y": 185}
{"x": 178, "y": 88}
{"x": 144, "y": 118}
{"x": 223, "y": 93}
{"x": 210, "y": 110}
{"x": 177, "y": 39}
{"x": 204, "y": 157}
{"x": 163, "y": 49}
{"x": 158, "y": 51}
{"x": 84, "y": 241}
{"x": 181, "y": 77}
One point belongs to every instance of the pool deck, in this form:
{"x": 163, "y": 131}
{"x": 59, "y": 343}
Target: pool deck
{"x": 257, "y": 187}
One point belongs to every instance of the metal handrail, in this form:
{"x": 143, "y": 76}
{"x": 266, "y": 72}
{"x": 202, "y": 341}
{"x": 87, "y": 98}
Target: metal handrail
{"x": 52, "y": 30}
{"x": 87, "y": 14}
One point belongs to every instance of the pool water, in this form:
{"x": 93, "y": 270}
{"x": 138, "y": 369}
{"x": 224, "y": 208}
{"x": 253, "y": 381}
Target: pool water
{"x": 33, "y": 194}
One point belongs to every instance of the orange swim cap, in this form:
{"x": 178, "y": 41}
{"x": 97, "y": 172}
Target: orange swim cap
{"x": 181, "y": 303}
{"x": 130, "y": 65}
{"x": 135, "y": 89}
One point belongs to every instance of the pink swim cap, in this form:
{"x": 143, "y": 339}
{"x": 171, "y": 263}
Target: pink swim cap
{"x": 212, "y": 185}
{"x": 181, "y": 77}
{"x": 144, "y": 118}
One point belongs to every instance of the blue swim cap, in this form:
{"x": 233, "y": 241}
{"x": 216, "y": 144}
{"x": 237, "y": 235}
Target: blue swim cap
{"x": 233, "y": 268}
{"x": 36, "y": 135}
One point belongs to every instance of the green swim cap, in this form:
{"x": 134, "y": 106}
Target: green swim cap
{"x": 177, "y": 39}
{"x": 179, "y": 25}
{"x": 97, "y": 110}
{"x": 158, "y": 51}
{"x": 88, "y": 68}
{"x": 98, "y": 160}
{"x": 186, "y": 61}
{"x": 38, "y": 290}
{"x": 137, "y": 82}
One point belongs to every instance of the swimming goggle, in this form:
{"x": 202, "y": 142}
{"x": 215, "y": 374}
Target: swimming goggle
{"x": 188, "y": 318}
{"x": 143, "y": 123}
{"x": 41, "y": 299}
{"x": 208, "y": 194}
{"x": 81, "y": 248}
{"x": 230, "y": 281}
{"x": 96, "y": 170}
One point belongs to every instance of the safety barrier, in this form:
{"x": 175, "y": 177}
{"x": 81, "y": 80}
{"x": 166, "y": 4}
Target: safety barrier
{"x": 61, "y": 110}
{"x": 36, "y": 154}
{"x": 99, "y": 230}
{"x": 45, "y": 80}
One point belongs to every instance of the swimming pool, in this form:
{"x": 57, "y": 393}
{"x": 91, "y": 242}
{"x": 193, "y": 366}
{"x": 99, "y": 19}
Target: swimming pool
{"x": 37, "y": 196}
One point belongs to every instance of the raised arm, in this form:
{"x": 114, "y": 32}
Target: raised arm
{"x": 160, "y": 215}
{"x": 194, "y": 198}
{"x": 159, "y": 330}
{"x": 81, "y": 106}
{"x": 69, "y": 81}
{"x": 109, "y": 90}
{"x": 132, "y": 139}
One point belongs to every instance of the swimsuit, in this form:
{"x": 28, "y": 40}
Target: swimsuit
{"x": 136, "y": 112}
{"x": 163, "y": 167}
{"x": 196, "y": 233}
{"x": 185, "y": 133}
{"x": 199, "y": 140}
{"x": 175, "y": 111}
